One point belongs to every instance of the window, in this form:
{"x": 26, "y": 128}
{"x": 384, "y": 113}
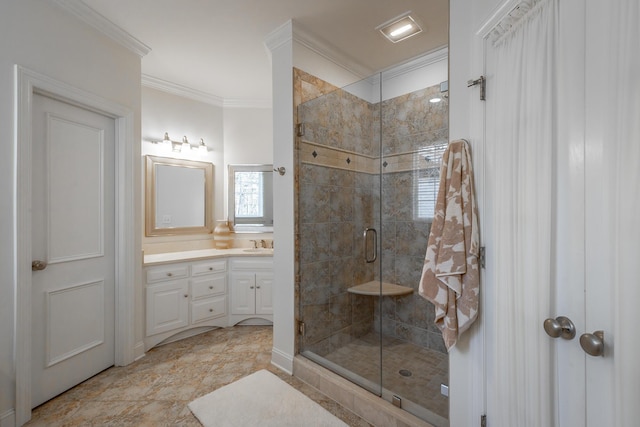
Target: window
{"x": 250, "y": 197}
{"x": 427, "y": 180}
{"x": 249, "y": 190}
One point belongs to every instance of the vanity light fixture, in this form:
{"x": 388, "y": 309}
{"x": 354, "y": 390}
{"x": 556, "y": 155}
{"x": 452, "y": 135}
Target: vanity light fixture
{"x": 185, "y": 144}
{"x": 202, "y": 148}
{"x": 176, "y": 146}
{"x": 400, "y": 28}
{"x": 180, "y": 146}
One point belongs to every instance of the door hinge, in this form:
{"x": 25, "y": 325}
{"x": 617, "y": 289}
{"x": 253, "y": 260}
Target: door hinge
{"x": 300, "y": 129}
{"x": 482, "y": 257}
{"x": 483, "y": 86}
{"x": 301, "y": 328}
{"x": 483, "y": 421}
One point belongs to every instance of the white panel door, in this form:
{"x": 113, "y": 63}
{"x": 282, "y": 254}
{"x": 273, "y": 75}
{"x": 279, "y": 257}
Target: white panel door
{"x": 73, "y": 229}
{"x": 594, "y": 202}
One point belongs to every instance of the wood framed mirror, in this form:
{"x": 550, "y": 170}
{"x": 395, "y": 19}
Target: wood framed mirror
{"x": 179, "y": 196}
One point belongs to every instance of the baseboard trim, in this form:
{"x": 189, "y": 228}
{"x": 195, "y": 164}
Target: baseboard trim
{"x": 138, "y": 351}
{"x": 8, "y": 418}
{"x": 282, "y": 360}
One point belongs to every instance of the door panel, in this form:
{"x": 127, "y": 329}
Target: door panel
{"x": 73, "y": 298}
{"x": 72, "y": 332}
{"x": 74, "y": 178}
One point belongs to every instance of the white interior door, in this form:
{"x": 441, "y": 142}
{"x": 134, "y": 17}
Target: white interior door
{"x": 73, "y": 229}
{"x": 561, "y": 206}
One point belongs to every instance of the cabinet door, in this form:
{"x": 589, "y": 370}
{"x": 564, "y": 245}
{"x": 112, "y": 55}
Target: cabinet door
{"x": 243, "y": 293}
{"x": 264, "y": 289}
{"x": 167, "y": 306}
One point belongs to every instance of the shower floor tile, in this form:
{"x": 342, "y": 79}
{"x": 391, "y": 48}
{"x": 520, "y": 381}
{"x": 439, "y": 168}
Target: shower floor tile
{"x": 427, "y": 368}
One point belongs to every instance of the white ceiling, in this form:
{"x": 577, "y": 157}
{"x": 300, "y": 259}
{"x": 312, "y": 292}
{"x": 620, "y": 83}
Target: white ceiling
{"x": 217, "y": 46}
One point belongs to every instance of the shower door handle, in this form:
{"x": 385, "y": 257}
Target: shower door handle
{"x": 367, "y": 251}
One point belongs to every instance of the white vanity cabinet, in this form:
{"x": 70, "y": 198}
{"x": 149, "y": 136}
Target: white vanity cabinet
{"x": 184, "y": 295}
{"x": 251, "y": 288}
{"x": 167, "y": 298}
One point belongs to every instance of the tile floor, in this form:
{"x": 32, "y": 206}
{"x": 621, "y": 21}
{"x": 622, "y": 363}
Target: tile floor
{"x": 155, "y": 390}
{"x": 428, "y": 369}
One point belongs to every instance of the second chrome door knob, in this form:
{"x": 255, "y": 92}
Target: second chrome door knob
{"x": 593, "y": 344}
{"x": 561, "y": 327}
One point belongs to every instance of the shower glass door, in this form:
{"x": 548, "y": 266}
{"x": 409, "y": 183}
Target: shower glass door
{"x": 338, "y": 199}
{"x": 368, "y": 170}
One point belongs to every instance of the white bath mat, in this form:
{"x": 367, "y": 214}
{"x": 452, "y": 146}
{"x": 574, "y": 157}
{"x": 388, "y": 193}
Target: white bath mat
{"x": 260, "y": 399}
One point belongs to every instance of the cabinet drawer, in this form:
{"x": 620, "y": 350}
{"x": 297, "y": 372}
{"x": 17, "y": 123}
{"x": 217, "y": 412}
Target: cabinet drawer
{"x": 167, "y": 272}
{"x": 208, "y": 309}
{"x": 208, "y": 285}
{"x": 208, "y": 267}
{"x": 252, "y": 264}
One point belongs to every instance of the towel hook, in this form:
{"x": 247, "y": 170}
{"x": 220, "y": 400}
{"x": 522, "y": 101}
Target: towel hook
{"x": 281, "y": 170}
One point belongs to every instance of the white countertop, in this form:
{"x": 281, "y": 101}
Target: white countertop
{"x": 153, "y": 259}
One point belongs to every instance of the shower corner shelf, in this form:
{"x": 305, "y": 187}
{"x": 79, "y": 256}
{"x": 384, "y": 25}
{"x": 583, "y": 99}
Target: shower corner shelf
{"x": 373, "y": 288}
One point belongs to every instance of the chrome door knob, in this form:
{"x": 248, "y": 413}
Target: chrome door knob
{"x": 593, "y": 344}
{"x": 38, "y": 265}
{"x": 561, "y": 327}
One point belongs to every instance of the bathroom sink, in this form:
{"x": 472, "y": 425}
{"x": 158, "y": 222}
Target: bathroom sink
{"x": 259, "y": 250}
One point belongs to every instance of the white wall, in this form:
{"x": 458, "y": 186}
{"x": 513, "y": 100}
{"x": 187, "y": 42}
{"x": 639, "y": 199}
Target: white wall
{"x": 428, "y": 70}
{"x": 234, "y": 135}
{"x": 180, "y": 116}
{"x": 280, "y": 45}
{"x": 39, "y": 36}
{"x": 248, "y": 139}
{"x": 466, "y": 360}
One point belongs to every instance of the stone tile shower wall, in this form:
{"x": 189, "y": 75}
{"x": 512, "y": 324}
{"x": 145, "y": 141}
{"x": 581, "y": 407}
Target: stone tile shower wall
{"x": 411, "y": 127}
{"x": 337, "y": 199}
{"x": 339, "y": 196}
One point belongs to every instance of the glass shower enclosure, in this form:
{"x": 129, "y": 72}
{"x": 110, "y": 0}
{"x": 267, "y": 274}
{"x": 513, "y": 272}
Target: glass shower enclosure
{"x": 368, "y": 172}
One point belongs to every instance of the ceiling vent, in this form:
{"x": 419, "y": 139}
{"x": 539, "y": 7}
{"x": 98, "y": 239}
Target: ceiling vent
{"x": 400, "y": 28}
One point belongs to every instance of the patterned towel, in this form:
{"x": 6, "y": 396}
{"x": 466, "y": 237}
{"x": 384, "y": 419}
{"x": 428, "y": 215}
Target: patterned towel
{"x": 450, "y": 277}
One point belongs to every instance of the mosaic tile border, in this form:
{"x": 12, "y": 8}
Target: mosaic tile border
{"x": 321, "y": 155}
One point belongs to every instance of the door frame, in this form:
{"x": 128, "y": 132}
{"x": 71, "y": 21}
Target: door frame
{"x": 28, "y": 82}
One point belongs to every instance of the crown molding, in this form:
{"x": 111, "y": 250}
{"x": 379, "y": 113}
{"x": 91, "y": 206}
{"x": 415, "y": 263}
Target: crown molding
{"x": 247, "y": 103}
{"x": 416, "y": 63}
{"x": 329, "y": 52}
{"x": 92, "y": 18}
{"x": 207, "y": 98}
{"x": 279, "y": 36}
{"x": 183, "y": 91}
{"x": 495, "y": 16}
